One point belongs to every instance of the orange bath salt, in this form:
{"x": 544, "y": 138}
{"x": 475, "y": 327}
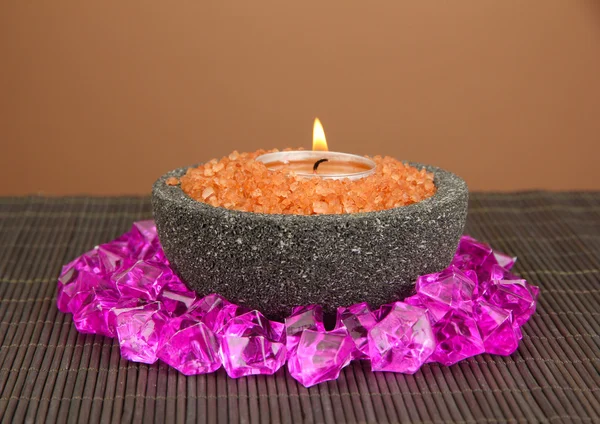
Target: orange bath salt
{"x": 239, "y": 182}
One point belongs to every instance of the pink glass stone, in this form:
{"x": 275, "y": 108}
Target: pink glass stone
{"x": 192, "y": 348}
{"x": 139, "y": 331}
{"x": 320, "y": 356}
{"x": 114, "y": 256}
{"x": 144, "y": 243}
{"x": 495, "y": 324}
{"x": 88, "y": 262}
{"x": 384, "y": 310}
{"x": 67, "y": 287}
{"x": 357, "y": 320}
{"x": 251, "y": 344}
{"x": 504, "y": 260}
{"x": 84, "y": 290}
{"x": 457, "y": 337}
{"x": 76, "y": 278}
{"x": 215, "y": 311}
{"x": 515, "y": 296}
{"x": 143, "y": 232}
{"x": 402, "y": 341}
{"x": 308, "y": 317}
{"x": 143, "y": 280}
{"x": 449, "y": 289}
{"x": 471, "y": 253}
{"x": 176, "y": 298}
{"x": 93, "y": 317}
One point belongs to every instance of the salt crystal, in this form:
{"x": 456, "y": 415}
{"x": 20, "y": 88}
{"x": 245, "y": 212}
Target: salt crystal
{"x": 240, "y": 182}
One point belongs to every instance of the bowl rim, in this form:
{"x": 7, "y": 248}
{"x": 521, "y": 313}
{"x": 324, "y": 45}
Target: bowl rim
{"x": 449, "y": 187}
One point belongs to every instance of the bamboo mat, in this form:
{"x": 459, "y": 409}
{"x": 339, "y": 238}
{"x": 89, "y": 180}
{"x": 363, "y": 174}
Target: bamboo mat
{"x": 49, "y": 372}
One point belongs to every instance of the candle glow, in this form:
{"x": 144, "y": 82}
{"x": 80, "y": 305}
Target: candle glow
{"x": 319, "y": 141}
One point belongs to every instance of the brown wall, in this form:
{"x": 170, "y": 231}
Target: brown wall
{"x": 104, "y": 97}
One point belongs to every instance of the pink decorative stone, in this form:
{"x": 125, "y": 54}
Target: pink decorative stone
{"x": 139, "y": 331}
{"x": 308, "y": 317}
{"x": 123, "y": 305}
{"x": 192, "y": 348}
{"x": 358, "y": 320}
{"x": 127, "y": 289}
{"x": 176, "y": 298}
{"x": 66, "y": 288}
{"x": 504, "y": 260}
{"x": 515, "y": 296}
{"x": 251, "y": 344}
{"x": 114, "y": 256}
{"x": 446, "y": 290}
{"x": 471, "y": 253}
{"x": 402, "y": 341}
{"x": 71, "y": 279}
{"x": 320, "y": 356}
{"x": 457, "y": 337}
{"x": 143, "y": 280}
{"x": 499, "y": 335}
{"x": 215, "y": 311}
{"x": 92, "y": 317}
{"x": 144, "y": 243}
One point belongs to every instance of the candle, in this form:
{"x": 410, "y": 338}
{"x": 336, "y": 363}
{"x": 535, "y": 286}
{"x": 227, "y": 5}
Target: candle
{"x": 320, "y": 162}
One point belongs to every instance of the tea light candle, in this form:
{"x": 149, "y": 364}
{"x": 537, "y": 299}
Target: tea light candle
{"x": 320, "y": 162}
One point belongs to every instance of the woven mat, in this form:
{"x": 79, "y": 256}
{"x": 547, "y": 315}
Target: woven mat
{"x": 49, "y": 372}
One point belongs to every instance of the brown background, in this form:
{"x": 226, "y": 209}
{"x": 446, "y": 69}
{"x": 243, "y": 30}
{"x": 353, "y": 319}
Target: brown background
{"x": 103, "y": 98}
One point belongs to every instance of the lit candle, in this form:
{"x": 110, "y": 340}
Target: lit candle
{"x": 320, "y": 162}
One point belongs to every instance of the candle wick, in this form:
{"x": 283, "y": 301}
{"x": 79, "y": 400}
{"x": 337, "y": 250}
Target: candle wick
{"x": 317, "y": 163}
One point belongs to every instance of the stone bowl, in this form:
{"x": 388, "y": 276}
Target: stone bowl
{"x": 275, "y": 262}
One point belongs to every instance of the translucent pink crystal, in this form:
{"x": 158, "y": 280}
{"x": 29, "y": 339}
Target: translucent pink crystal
{"x": 92, "y": 318}
{"x": 402, "y": 341}
{"x": 176, "y": 298}
{"x": 308, "y": 317}
{"x": 143, "y": 280}
{"x": 446, "y": 290}
{"x": 320, "y": 356}
{"x": 67, "y": 287}
{"x": 76, "y": 279}
{"x": 123, "y": 305}
{"x": 357, "y": 320}
{"x": 471, "y": 253}
{"x": 139, "y": 331}
{"x": 114, "y": 256}
{"x": 215, "y": 311}
{"x": 504, "y": 260}
{"x": 192, "y": 348}
{"x": 86, "y": 289}
{"x": 457, "y": 337}
{"x": 496, "y": 328}
{"x": 144, "y": 243}
{"x": 251, "y": 344}
{"x": 515, "y": 296}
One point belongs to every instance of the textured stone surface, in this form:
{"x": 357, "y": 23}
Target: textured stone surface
{"x": 275, "y": 262}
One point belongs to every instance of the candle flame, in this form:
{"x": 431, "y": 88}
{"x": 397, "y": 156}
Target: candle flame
{"x": 319, "y": 142}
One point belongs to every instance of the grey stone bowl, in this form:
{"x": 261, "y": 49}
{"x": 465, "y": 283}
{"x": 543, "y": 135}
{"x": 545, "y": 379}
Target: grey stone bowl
{"x": 275, "y": 262}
